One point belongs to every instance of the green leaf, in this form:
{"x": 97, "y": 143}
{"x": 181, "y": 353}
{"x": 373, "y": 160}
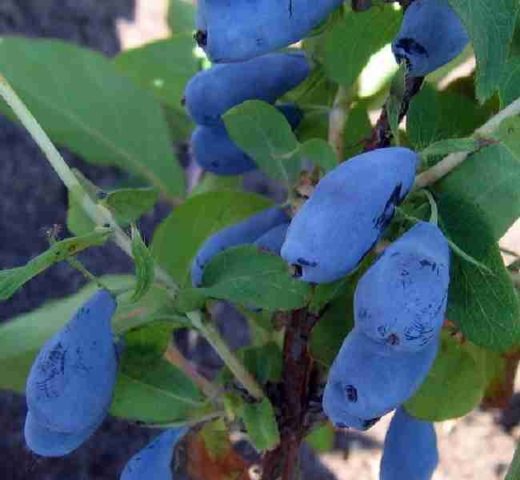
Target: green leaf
{"x": 78, "y": 222}
{"x": 149, "y": 389}
{"x": 357, "y": 129}
{"x": 354, "y": 39}
{"x": 22, "y": 337}
{"x": 85, "y": 104}
{"x": 250, "y": 277}
{"x": 178, "y": 238}
{"x": 321, "y": 439}
{"x": 454, "y": 386}
{"x": 489, "y": 180}
{"x": 13, "y": 279}
{"x": 450, "y": 145}
{"x": 216, "y": 183}
{"x": 260, "y": 422}
{"x": 510, "y": 84}
{"x": 144, "y": 265}
{"x": 491, "y": 31}
{"x": 181, "y": 16}
{"x": 514, "y": 469}
{"x": 435, "y": 116}
{"x": 129, "y": 204}
{"x": 320, "y": 153}
{"x": 164, "y": 67}
{"x": 485, "y": 306}
{"x": 261, "y": 131}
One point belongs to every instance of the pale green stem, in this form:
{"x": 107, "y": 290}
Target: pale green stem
{"x": 434, "y": 215}
{"x": 100, "y": 215}
{"x": 211, "y": 334}
{"x": 337, "y": 119}
{"x": 452, "y": 161}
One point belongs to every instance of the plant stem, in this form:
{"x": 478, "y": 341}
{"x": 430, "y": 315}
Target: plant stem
{"x": 337, "y": 119}
{"x": 100, "y": 215}
{"x": 97, "y": 213}
{"x": 452, "y": 161}
{"x": 210, "y": 333}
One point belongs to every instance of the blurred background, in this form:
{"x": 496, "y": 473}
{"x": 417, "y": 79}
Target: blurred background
{"x": 479, "y": 446}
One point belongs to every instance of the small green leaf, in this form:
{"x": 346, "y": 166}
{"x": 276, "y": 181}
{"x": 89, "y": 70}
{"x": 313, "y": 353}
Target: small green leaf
{"x": 78, "y": 222}
{"x": 395, "y": 100}
{"x": 484, "y": 305}
{"x": 178, "y": 238}
{"x": 265, "y": 135}
{"x": 13, "y": 279}
{"x": 510, "y": 84}
{"x": 149, "y": 389}
{"x": 260, "y": 422}
{"x": 451, "y": 145}
{"x": 144, "y": 265}
{"x": 320, "y": 153}
{"x": 189, "y": 300}
{"x": 454, "y": 386}
{"x": 514, "y": 469}
{"x": 181, "y": 16}
{"x": 321, "y": 439}
{"x": 252, "y": 278}
{"x": 217, "y": 183}
{"x": 129, "y": 204}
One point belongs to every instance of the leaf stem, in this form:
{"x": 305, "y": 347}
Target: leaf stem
{"x": 210, "y": 333}
{"x": 99, "y": 214}
{"x": 452, "y": 161}
{"x": 337, "y": 119}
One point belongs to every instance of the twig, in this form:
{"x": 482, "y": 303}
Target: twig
{"x": 295, "y": 393}
{"x": 337, "y": 120}
{"x": 452, "y": 161}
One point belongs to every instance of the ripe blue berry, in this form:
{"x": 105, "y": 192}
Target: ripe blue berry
{"x": 401, "y": 300}
{"x": 69, "y": 388}
{"x": 239, "y": 30}
{"x": 212, "y": 92}
{"x": 349, "y": 210}
{"x": 154, "y": 460}
{"x": 431, "y": 35}
{"x": 243, "y": 233}
{"x": 410, "y": 449}
{"x": 272, "y": 240}
{"x": 368, "y": 380}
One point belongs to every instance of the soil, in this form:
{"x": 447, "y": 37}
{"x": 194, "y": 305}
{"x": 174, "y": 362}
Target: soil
{"x": 32, "y": 200}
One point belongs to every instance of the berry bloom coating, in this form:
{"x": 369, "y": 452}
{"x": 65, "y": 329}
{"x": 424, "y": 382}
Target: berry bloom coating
{"x": 349, "y": 210}
{"x": 212, "y": 92}
{"x": 410, "y": 449}
{"x": 431, "y": 35}
{"x": 401, "y": 299}
{"x": 234, "y": 31}
{"x": 368, "y": 380}
{"x": 154, "y": 460}
{"x": 243, "y": 233}
{"x": 69, "y": 388}
{"x": 215, "y": 152}
{"x": 272, "y": 240}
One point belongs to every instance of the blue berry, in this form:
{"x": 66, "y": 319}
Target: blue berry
{"x": 69, "y": 388}
{"x": 243, "y": 233}
{"x": 401, "y": 300}
{"x": 234, "y": 31}
{"x": 431, "y": 35}
{"x": 410, "y": 449}
{"x": 272, "y": 240}
{"x": 349, "y": 210}
{"x": 368, "y": 380}
{"x": 212, "y": 92}
{"x": 154, "y": 460}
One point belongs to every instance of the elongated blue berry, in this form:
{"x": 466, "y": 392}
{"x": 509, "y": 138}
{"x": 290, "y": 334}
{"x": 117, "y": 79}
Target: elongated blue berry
{"x": 431, "y": 35}
{"x": 215, "y": 152}
{"x": 242, "y": 233}
{"x": 49, "y": 443}
{"x": 272, "y": 240}
{"x": 233, "y": 31}
{"x": 368, "y": 380}
{"x": 410, "y": 449}
{"x": 401, "y": 299}
{"x": 212, "y": 92}
{"x": 70, "y": 385}
{"x": 349, "y": 210}
{"x": 154, "y": 461}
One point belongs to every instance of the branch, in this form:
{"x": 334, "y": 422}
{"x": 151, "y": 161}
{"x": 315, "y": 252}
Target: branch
{"x": 452, "y": 161}
{"x": 337, "y": 120}
{"x": 295, "y": 394}
{"x": 382, "y": 132}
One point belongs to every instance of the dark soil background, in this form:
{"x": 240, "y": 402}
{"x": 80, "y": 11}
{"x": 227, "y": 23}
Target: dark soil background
{"x": 32, "y": 199}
